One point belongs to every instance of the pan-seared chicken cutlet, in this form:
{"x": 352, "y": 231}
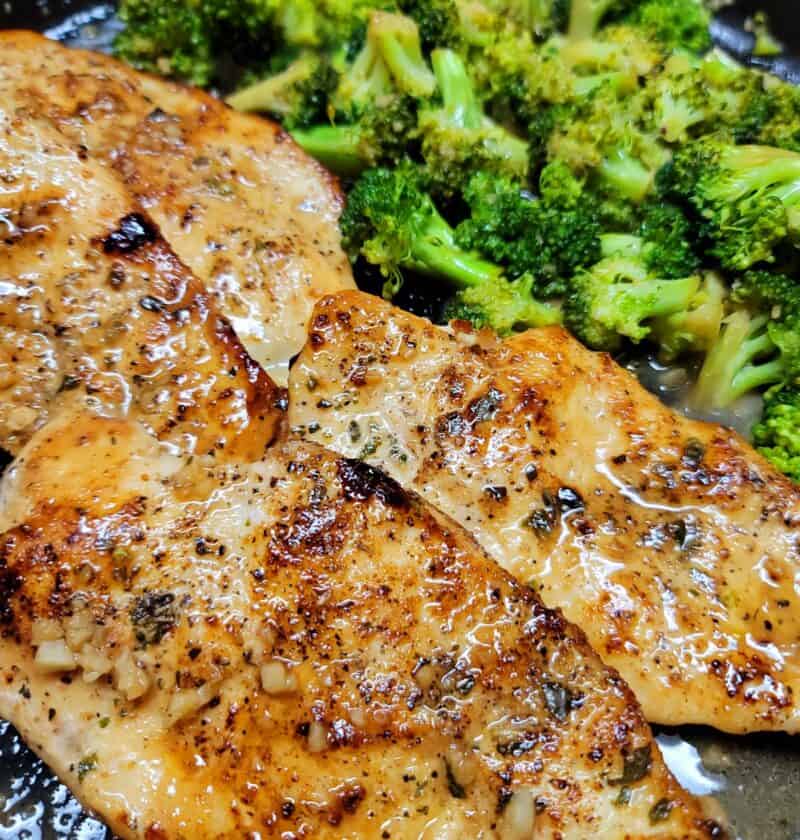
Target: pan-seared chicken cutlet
{"x": 252, "y": 215}
{"x": 297, "y": 647}
{"x": 670, "y": 542}
{"x": 95, "y": 309}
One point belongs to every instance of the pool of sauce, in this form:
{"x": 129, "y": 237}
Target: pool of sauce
{"x": 756, "y": 779}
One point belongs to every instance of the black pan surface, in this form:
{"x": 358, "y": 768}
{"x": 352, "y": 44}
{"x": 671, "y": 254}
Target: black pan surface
{"x": 756, "y": 778}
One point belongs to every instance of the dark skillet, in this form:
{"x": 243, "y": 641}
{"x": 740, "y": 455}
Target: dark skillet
{"x": 760, "y": 774}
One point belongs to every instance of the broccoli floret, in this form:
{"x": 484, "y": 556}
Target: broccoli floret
{"x": 692, "y": 96}
{"x": 585, "y": 16}
{"x": 695, "y": 329}
{"x": 439, "y": 22}
{"x": 547, "y": 237}
{"x": 604, "y": 137}
{"x": 742, "y": 359}
{"x": 618, "y": 298}
{"x": 669, "y": 240}
{"x": 392, "y": 222}
{"x": 772, "y": 117}
{"x": 373, "y": 111}
{"x": 380, "y": 137}
{"x": 176, "y": 39}
{"x": 458, "y": 138}
{"x": 678, "y": 24}
{"x": 298, "y": 96}
{"x": 746, "y": 197}
{"x": 777, "y": 434}
{"x": 504, "y": 305}
{"x": 390, "y": 61}
{"x": 541, "y": 18}
{"x": 759, "y": 344}
{"x": 195, "y": 39}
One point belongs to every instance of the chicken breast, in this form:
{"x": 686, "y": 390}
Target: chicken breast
{"x": 253, "y": 216}
{"x": 297, "y": 647}
{"x": 96, "y": 310}
{"x": 670, "y": 542}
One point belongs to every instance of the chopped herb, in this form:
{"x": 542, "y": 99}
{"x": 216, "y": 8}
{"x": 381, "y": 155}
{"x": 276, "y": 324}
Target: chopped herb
{"x": 86, "y": 765}
{"x": 154, "y": 615}
{"x": 635, "y": 766}
{"x": 104, "y": 722}
{"x": 558, "y": 699}
{"x": 623, "y": 797}
{"x": 456, "y": 790}
{"x": 660, "y": 811}
{"x": 693, "y": 453}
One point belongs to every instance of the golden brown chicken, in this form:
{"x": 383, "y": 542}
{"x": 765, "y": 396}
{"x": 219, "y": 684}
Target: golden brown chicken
{"x": 296, "y": 647}
{"x": 251, "y": 214}
{"x": 670, "y": 542}
{"x": 96, "y": 310}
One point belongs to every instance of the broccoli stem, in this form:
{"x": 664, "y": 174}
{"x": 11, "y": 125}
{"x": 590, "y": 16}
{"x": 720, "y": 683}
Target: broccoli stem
{"x": 338, "y": 147}
{"x": 628, "y": 176}
{"x": 731, "y": 368}
{"x": 585, "y": 16}
{"x": 621, "y": 245}
{"x": 398, "y": 40}
{"x": 458, "y": 94}
{"x": 435, "y": 252}
{"x": 271, "y": 94}
{"x": 755, "y": 168}
{"x": 648, "y": 298}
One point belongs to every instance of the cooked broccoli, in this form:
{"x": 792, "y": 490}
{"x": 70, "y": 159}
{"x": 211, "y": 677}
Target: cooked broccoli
{"x": 379, "y": 138}
{"x": 439, "y": 21}
{"x": 772, "y": 117}
{"x": 176, "y": 39}
{"x": 504, "y": 305}
{"x": 777, "y": 434}
{"x": 298, "y": 96}
{"x": 195, "y": 39}
{"x": 746, "y": 196}
{"x": 692, "y": 96}
{"x": 391, "y": 60}
{"x": 373, "y": 111}
{"x": 759, "y": 344}
{"x": 585, "y": 16}
{"x": 742, "y": 359}
{"x": 458, "y": 138}
{"x": 539, "y": 17}
{"x": 678, "y": 24}
{"x": 547, "y": 237}
{"x": 618, "y": 298}
{"x": 605, "y": 137}
{"x": 392, "y": 222}
{"x": 696, "y": 328}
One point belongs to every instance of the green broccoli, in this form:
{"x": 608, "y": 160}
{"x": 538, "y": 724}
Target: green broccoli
{"x": 194, "y": 40}
{"x": 759, "y": 343}
{"x": 772, "y": 117}
{"x": 505, "y": 306}
{"x": 677, "y": 24}
{"x": 746, "y": 197}
{"x": 618, "y": 297}
{"x": 548, "y": 237}
{"x": 392, "y": 222}
{"x": 692, "y": 96}
{"x": 458, "y": 138}
{"x": 541, "y": 18}
{"x": 606, "y": 137}
{"x": 585, "y": 16}
{"x": 696, "y": 328}
{"x": 379, "y": 138}
{"x": 373, "y": 111}
{"x": 298, "y": 96}
{"x": 777, "y": 434}
{"x": 439, "y": 22}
